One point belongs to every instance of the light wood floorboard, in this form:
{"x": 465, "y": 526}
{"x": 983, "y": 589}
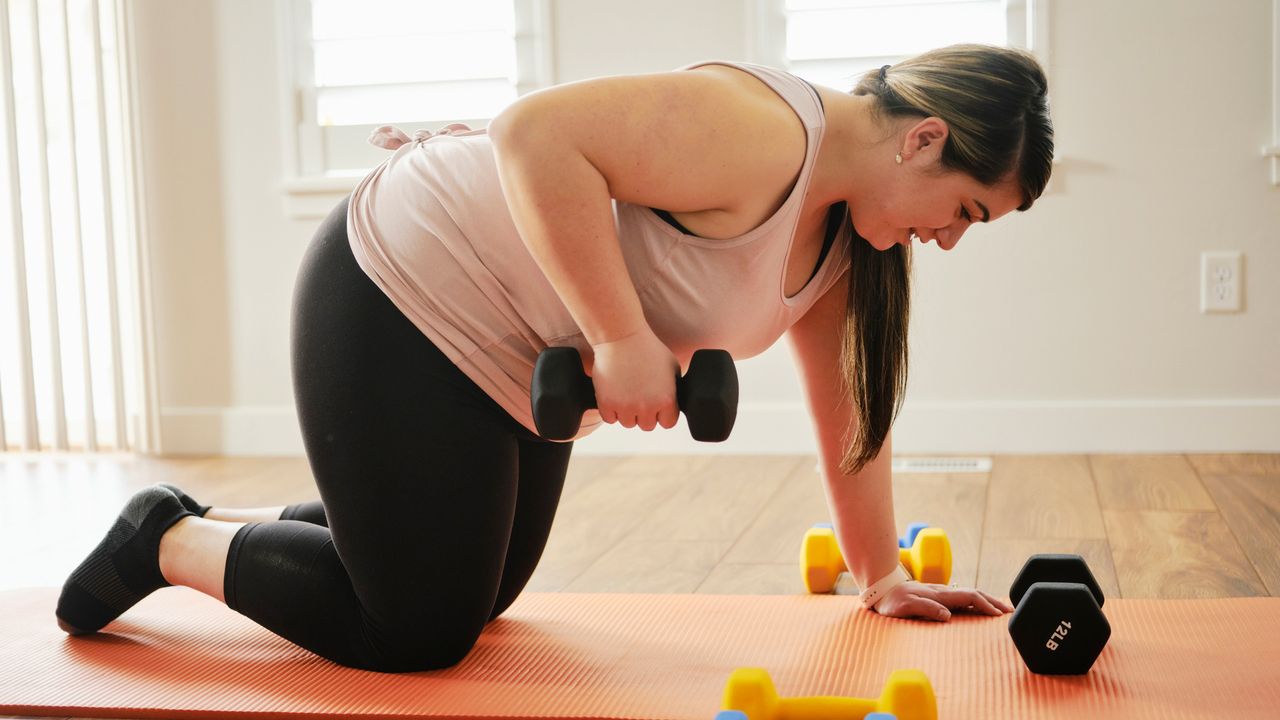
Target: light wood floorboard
{"x": 1178, "y": 555}
{"x": 1042, "y": 496}
{"x": 1148, "y": 482}
{"x": 1250, "y": 505}
{"x": 1241, "y": 464}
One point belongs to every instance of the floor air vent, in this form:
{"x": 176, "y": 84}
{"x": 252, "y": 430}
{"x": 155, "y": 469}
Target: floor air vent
{"x": 941, "y": 465}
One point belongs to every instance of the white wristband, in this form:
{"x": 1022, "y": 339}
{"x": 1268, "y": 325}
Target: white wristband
{"x": 881, "y": 587}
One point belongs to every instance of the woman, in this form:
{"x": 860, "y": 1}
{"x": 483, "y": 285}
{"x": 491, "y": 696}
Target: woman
{"x": 637, "y": 219}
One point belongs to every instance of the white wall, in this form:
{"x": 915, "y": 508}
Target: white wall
{"x": 1072, "y": 328}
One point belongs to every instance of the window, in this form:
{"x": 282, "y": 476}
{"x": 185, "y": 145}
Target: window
{"x": 832, "y": 42}
{"x": 413, "y": 63}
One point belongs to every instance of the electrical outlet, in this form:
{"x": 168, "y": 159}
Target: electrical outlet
{"x": 1221, "y": 281}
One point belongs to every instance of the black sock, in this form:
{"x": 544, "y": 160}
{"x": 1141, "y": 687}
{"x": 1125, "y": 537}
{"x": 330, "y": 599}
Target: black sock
{"x": 124, "y": 567}
{"x": 187, "y": 501}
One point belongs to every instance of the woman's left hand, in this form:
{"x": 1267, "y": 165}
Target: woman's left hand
{"x": 929, "y": 601}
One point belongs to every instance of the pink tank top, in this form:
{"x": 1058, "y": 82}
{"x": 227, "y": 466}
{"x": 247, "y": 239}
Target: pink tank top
{"x": 431, "y": 228}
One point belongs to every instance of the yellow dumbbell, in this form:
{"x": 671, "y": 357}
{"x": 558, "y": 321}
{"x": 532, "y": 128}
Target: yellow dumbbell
{"x": 907, "y": 694}
{"x": 927, "y": 558}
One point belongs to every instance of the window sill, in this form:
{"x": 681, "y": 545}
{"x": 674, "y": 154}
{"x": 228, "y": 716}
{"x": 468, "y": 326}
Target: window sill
{"x": 308, "y": 198}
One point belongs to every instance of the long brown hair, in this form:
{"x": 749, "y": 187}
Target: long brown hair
{"x": 995, "y": 101}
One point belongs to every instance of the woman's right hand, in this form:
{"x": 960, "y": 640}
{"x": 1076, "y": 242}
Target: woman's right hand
{"x": 635, "y": 381}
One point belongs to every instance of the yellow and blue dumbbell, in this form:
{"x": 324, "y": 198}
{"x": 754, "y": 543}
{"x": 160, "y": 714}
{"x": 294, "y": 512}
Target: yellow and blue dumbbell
{"x": 739, "y": 715}
{"x": 925, "y": 552}
{"x": 750, "y": 695}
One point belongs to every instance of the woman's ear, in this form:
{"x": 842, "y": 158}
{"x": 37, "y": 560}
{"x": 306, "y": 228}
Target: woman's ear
{"x": 928, "y": 136}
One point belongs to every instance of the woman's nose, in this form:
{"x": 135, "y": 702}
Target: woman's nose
{"x": 949, "y": 237}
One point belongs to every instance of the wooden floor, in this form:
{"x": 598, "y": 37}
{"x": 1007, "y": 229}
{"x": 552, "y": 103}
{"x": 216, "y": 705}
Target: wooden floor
{"x": 1162, "y": 526}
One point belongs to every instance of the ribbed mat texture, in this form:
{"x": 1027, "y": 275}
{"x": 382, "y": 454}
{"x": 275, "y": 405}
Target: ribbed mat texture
{"x": 180, "y": 654}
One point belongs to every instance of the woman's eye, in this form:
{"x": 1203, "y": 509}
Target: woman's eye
{"x": 964, "y": 213}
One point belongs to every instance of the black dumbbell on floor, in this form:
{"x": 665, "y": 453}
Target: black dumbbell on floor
{"x": 1058, "y": 625}
{"x": 562, "y": 392}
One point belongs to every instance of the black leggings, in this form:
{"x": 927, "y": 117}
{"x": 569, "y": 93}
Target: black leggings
{"x": 437, "y": 502}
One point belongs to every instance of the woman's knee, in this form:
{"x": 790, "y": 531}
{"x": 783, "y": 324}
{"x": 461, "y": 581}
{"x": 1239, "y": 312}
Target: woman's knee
{"x": 512, "y": 586}
{"x": 436, "y": 648}
{"x": 386, "y": 630}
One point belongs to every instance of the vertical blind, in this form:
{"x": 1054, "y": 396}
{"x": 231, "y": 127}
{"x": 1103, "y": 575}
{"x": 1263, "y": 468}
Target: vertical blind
{"x": 69, "y": 299}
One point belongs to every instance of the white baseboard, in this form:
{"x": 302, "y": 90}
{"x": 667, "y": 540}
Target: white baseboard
{"x": 1140, "y": 426}
{"x": 243, "y": 430}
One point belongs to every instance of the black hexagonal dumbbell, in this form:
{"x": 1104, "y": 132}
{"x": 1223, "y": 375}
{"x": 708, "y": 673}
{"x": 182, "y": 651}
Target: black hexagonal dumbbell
{"x": 1058, "y": 625}
{"x": 562, "y": 392}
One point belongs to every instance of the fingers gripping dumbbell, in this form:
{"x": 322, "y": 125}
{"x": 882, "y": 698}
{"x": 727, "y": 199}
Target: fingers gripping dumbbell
{"x": 562, "y": 392}
{"x": 1058, "y": 625}
{"x": 907, "y": 696}
{"x": 925, "y": 552}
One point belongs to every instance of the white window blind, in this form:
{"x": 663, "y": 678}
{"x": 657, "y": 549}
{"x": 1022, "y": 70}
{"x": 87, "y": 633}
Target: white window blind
{"x": 71, "y": 303}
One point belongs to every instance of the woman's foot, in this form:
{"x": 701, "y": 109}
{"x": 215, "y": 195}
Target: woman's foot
{"x": 187, "y": 501}
{"x": 302, "y": 511}
{"x": 124, "y": 567}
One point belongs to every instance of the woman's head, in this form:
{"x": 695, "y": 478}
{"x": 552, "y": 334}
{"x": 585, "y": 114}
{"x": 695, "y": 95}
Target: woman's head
{"x": 995, "y": 100}
{"x": 971, "y": 125}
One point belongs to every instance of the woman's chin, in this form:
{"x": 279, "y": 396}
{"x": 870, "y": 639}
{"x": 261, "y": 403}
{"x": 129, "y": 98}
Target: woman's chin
{"x": 881, "y": 243}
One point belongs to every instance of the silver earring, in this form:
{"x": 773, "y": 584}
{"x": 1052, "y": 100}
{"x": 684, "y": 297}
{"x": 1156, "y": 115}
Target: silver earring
{"x": 898, "y": 157}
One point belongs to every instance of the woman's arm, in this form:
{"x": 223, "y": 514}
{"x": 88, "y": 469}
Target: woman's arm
{"x": 560, "y": 205}
{"x": 681, "y": 141}
{"x": 862, "y": 504}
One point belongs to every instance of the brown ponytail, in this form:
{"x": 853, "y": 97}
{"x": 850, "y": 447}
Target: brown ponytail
{"x": 995, "y": 102}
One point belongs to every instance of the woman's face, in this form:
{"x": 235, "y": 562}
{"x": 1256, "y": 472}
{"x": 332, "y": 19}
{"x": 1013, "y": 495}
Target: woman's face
{"x": 932, "y": 209}
{"x": 914, "y": 201}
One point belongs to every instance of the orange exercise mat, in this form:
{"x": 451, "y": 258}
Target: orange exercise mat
{"x": 180, "y": 654}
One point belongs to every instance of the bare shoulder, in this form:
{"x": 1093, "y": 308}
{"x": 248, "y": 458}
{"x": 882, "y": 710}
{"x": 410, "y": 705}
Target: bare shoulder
{"x": 711, "y": 138}
{"x": 745, "y": 81}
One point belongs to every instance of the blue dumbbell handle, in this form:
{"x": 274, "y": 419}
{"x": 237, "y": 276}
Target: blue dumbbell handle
{"x": 912, "y": 531}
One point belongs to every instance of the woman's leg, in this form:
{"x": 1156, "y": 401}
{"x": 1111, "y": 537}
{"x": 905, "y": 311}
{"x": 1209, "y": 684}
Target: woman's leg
{"x": 193, "y": 552}
{"x": 244, "y": 515}
{"x": 542, "y": 471}
{"x": 312, "y": 512}
{"x": 418, "y": 474}
{"x": 543, "y": 466}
